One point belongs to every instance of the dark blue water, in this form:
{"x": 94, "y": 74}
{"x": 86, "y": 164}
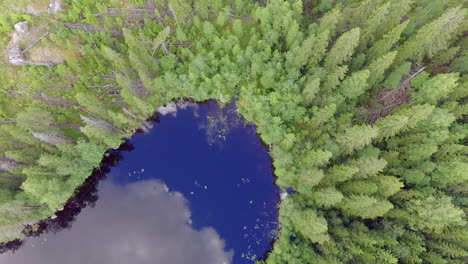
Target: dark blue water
{"x": 198, "y": 188}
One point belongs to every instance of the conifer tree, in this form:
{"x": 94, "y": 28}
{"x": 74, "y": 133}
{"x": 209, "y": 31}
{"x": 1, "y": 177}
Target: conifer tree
{"x": 356, "y": 137}
{"x": 379, "y": 66}
{"x": 355, "y": 85}
{"x": 364, "y": 206}
{"x": 343, "y": 49}
{"x": 433, "y": 37}
{"x": 384, "y": 45}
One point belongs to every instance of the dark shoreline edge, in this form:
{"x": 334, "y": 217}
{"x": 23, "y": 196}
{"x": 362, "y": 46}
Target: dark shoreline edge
{"x": 87, "y": 194}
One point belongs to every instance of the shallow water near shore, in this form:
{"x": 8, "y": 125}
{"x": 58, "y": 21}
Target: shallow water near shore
{"x": 199, "y": 188}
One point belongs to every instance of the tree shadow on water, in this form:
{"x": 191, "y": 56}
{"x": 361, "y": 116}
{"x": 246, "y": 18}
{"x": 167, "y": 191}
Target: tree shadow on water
{"x": 85, "y": 195}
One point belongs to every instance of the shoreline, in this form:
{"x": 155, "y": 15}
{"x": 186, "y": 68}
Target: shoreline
{"x": 87, "y": 193}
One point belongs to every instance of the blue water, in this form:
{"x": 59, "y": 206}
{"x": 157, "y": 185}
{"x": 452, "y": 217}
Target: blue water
{"x": 226, "y": 176}
{"x": 199, "y": 188}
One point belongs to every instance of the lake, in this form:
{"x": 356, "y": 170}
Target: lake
{"x": 198, "y": 188}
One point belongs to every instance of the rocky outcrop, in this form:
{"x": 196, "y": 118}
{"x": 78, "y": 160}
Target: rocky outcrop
{"x": 170, "y": 108}
{"x": 7, "y": 164}
{"x": 15, "y": 56}
{"x": 52, "y": 138}
{"x": 56, "y": 6}
{"x": 22, "y": 27}
{"x": 16, "y": 51}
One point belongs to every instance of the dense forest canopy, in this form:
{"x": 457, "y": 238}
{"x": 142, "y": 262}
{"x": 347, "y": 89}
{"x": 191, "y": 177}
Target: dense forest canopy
{"x": 363, "y": 105}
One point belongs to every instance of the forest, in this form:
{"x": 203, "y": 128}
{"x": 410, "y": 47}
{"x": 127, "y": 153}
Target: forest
{"x": 363, "y": 104}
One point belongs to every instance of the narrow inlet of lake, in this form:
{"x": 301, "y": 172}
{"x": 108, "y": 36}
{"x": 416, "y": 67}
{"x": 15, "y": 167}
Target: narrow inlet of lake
{"x": 197, "y": 189}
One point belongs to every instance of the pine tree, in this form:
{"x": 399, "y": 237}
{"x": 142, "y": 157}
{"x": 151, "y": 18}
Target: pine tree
{"x": 371, "y": 25}
{"x": 402, "y": 120}
{"x": 355, "y": 85}
{"x": 316, "y": 232}
{"x": 430, "y": 214}
{"x": 364, "y": 187}
{"x": 393, "y": 80}
{"x": 447, "y": 249}
{"x": 343, "y": 49}
{"x": 330, "y": 21}
{"x": 334, "y": 78}
{"x": 368, "y": 166}
{"x": 378, "y": 67}
{"x": 433, "y": 37}
{"x": 319, "y": 50}
{"x": 436, "y": 88}
{"x": 450, "y": 173}
{"x": 356, "y": 137}
{"x": 363, "y": 206}
{"x": 339, "y": 173}
{"x": 35, "y": 119}
{"x": 384, "y": 45}
{"x": 322, "y": 115}
{"x": 326, "y": 197}
{"x": 387, "y": 185}
{"x": 311, "y": 88}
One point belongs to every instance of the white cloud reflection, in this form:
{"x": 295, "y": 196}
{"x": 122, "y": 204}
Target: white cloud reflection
{"x": 139, "y": 223}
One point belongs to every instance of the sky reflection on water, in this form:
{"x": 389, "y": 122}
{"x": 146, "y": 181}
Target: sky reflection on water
{"x": 198, "y": 189}
{"x": 140, "y": 223}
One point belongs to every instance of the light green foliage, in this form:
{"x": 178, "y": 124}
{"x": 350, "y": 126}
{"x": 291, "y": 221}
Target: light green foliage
{"x": 402, "y": 120}
{"x": 436, "y": 88}
{"x": 326, "y": 197}
{"x": 433, "y": 37}
{"x": 340, "y": 173}
{"x": 431, "y": 214}
{"x": 322, "y": 115}
{"x": 387, "y": 185}
{"x": 343, "y": 49}
{"x": 368, "y": 166}
{"x": 312, "y": 226}
{"x": 311, "y": 88}
{"x": 355, "y": 85}
{"x": 384, "y": 45}
{"x": 330, "y": 21}
{"x": 362, "y": 104}
{"x": 356, "y": 137}
{"x": 394, "y": 78}
{"x": 372, "y": 24}
{"x": 359, "y": 187}
{"x": 450, "y": 173}
{"x": 365, "y": 206}
{"x": 378, "y": 67}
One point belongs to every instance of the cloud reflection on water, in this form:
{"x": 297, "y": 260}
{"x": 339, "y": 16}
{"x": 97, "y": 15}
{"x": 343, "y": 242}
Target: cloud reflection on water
{"x": 138, "y": 223}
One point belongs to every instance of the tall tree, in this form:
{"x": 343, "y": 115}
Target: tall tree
{"x": 343, "y": 49}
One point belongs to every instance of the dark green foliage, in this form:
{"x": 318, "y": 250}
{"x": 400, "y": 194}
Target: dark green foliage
{"x": 362, "y": 102}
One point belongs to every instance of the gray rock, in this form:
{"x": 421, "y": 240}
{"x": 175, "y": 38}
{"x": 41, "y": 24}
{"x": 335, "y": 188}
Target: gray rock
{"x": 22, "y": 27}
{"x": 55, "y": 6}
{"x": 170, "y": 108}
{"x": 7, "y": 164}
{"x": 15, "y": 56}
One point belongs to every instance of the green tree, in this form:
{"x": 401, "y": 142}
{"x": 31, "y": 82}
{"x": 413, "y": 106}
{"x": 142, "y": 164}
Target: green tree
{"x": 402, "y": 120}
{"x": 384, "y": 45}
{"x": 355, "y": 85}
{"x": 430, "y": 214}
{"x": 436, "y": 88}
{"x": 312, "y": 226}
{"x": 433, "y": 37}
{"x": 379, "y": 66}
{"x": 356, "y": 137}
{"x": 363, "y": 206}
{"x": 343, "y": 49}
{"x": 326, "y": 197}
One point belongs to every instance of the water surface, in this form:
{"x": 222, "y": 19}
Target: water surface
{"x": 198, "y": 189}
